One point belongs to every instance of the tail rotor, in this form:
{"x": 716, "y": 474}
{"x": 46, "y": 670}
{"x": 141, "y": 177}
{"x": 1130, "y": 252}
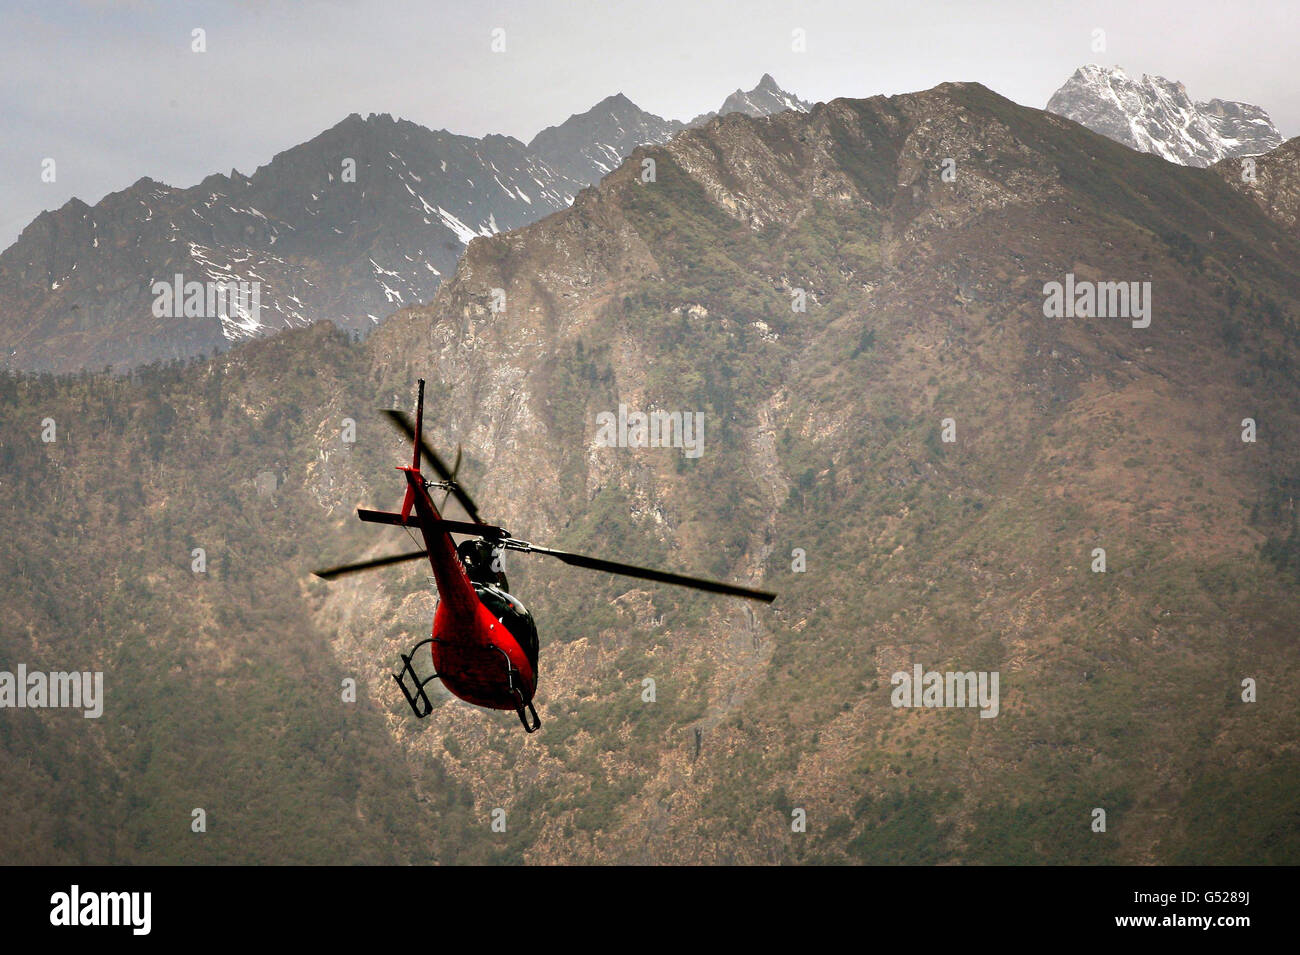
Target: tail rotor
{"x": 451, "y": 481}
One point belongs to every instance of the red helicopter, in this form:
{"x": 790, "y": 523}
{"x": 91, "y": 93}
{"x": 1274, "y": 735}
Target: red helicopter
{"x": 484, "y": 642}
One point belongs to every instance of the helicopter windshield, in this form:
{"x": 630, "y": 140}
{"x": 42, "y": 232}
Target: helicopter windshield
{"x": 514, "y": 615}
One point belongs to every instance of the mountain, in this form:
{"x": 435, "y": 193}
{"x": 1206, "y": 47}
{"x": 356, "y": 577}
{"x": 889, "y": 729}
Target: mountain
{"x": 825, "y": 475}
{"x": 765, "y": 99}
{"x": 1155, "y": 115}
{"x": 364, "y": 219}
{"x": 587, "y": 146}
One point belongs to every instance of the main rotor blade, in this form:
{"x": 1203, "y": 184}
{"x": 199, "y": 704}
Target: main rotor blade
{"x": 645, "y": 573}
{"x": 404, "y": 425}
{"x": 331, "y": 572}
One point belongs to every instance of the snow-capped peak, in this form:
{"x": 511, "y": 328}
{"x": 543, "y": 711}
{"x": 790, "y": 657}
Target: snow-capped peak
{"x": 1157, "y": 115}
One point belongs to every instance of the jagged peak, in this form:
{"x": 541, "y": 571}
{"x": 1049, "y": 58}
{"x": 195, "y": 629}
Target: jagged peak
{"x": 212, "y": 181}
{"x": 766, "y": 98}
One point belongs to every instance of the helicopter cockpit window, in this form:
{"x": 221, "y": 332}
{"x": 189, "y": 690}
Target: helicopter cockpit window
{"x": 481, "y": 562}
{"x": 514, "y": 615}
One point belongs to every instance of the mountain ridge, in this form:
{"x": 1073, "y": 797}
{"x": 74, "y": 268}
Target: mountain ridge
{"x": 314, "y": 249}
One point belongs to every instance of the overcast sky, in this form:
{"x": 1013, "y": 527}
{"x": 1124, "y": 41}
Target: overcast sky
{"x": 112, "y": 91}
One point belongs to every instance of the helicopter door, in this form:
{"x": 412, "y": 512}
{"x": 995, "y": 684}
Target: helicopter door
{"x": 514, "y": 616}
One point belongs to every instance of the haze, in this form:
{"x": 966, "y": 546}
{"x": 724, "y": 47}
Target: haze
{"x": 113, "y": 92}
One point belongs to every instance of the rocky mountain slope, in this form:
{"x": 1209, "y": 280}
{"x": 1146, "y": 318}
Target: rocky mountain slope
{"x": 825, "y": 475}
{"x": 363, "y": 220}
{"x": 1273, "y": 181}
{"x": 1156, "y": 115}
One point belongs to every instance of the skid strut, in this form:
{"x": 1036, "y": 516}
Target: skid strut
{"x": 520, "y": 705}
{"x": 417, "y": 697}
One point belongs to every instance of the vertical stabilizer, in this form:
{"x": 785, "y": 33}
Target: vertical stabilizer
{"x": 419, "y": 427}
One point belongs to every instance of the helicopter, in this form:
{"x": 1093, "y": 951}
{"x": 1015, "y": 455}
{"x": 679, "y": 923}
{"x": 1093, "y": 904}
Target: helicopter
{"x": 484, "y": 643}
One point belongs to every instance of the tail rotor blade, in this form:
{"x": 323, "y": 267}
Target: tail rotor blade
{"x": 455, "y": 469}
{"x": 403, "y": 425}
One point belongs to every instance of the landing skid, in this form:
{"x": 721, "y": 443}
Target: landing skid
{"x": 537, "y": 720}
